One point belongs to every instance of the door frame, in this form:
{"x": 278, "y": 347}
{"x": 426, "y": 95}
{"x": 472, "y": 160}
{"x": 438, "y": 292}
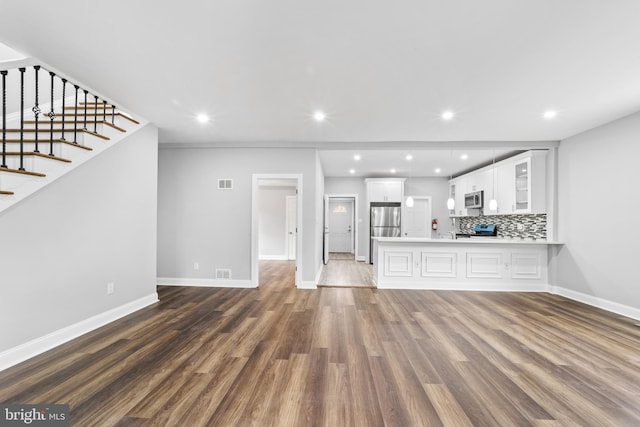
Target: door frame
{"x": 356, "y": 224}
{"x": 288, "y": 200}
{"x": 255, "y": 262}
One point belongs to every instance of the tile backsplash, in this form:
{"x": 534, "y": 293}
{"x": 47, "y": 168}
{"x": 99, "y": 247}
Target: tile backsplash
{"x": 519, "y": 226}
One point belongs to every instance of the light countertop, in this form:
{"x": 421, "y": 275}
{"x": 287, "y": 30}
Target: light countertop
{"x": 466, "y": 241}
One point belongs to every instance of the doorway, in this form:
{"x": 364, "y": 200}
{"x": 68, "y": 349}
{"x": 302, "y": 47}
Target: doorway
{"x": 276, "y": 225}
{"x": 416, "y": 220}
{"x": 340, "y": 226}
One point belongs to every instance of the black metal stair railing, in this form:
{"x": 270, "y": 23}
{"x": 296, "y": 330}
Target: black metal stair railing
{"x": 52, "y": 114}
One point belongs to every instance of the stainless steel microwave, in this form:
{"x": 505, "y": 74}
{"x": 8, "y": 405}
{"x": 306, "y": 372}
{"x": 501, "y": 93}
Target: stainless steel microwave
{"x": 473, "y": 200}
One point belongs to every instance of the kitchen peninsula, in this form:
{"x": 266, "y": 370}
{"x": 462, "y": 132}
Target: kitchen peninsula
{"x": 488, "y": 264}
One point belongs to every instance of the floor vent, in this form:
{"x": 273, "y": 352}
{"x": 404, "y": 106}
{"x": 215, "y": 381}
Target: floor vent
{"x": 223, "y": 273}
{"x": 225, "y": 184}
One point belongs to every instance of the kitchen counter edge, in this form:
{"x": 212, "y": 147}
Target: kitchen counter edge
{"x": 471, "y": 241}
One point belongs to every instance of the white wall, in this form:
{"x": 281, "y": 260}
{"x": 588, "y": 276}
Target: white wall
{"x": 61, "y": 246}
{"x": 7, "y": 54}
{"x": 598, "y": 177}
{"x": 272, "y": 223}
{"x": 199, "y": 223}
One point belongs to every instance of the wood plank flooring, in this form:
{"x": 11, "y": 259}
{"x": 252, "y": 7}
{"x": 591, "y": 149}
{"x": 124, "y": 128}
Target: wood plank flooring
{"x": 279, "y": 356}
{"x": 344, "y": 271}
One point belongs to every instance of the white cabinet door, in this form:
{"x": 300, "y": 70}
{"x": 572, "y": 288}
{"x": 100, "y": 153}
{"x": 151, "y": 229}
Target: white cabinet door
{"x": 460, "y": 185}
{"x": 530, "y": 183}
{"x": 505, "y": 186}
{"x": 385, "y": 191}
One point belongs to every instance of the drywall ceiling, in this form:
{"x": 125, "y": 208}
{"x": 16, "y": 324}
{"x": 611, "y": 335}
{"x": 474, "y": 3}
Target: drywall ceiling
{"x": 420, "y": 163}
{"x": 382, "y": 71}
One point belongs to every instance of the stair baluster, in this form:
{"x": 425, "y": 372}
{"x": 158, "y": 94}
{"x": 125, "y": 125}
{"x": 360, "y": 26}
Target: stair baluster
{"x": 75, "y": 117}
{"x": 85, "y": 108}
{"x": 64, "y": 87}
{"x": 95, "y": 114}
{"x": 104, "y": 110}
{"x": 22, "y": 70}
{"x": 113, "y": 114}
{"x": 36, "y": 108}
{"x": 52, "y": 115}
{"x": 4, "y": 118}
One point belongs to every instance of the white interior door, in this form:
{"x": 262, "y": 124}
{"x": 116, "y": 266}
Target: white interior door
{"x": 417, "y": 219}
{"x": 341, "y": 229}
{"x": 292, "y": 229}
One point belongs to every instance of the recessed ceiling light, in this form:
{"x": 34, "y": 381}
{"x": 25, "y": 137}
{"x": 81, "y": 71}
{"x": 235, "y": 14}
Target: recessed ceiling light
{"x": 392, "y": 171}
{"x": 409, "y": 157}
{"x": 438, "y": 170}
{"x": 550, "y": 114}
{"x": 447, "y": 115}
{"x": 356, "y": 157}
{"x": 202, "y": 118}
{"x": 464, "y": 156}
{"x": 319, "y": 116}
{"x": 352, "y": 171}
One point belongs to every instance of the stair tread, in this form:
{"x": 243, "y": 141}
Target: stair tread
{"x": 91, "y": 107}
{"x": 48, "y": 141}
{"x": 71, "y": 122}
{"x": 98, "y": 114}
{"x": 44, "y": 131}
{"x": 43, "y": 155}
{"x": 6, "y": 193}
{"x": 38, "y": 174}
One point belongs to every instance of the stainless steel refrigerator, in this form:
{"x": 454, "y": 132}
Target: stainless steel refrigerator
{"x": 385, "y": 222}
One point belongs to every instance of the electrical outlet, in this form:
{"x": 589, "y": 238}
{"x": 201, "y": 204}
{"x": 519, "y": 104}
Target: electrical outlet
{"x": 196, "y": 266}
{"x": 111, "y": 288}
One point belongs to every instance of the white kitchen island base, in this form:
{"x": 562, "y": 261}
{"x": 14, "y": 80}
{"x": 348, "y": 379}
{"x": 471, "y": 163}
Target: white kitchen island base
{"x": 462, "y": 264}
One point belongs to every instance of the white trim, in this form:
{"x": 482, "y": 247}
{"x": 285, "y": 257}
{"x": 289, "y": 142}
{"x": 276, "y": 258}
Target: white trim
{"x": 361, "y": 259}
{"x": 319, "y": 272}
{"x": 32, "y": 348}
{"x": 206, "y": 283}
{"x": 273, "y": 257}
{"x": 256, "y": 177}
{"x": 356, "y": 224}
{"x": 466, "y": 286}
{"x": 598, "y": 302}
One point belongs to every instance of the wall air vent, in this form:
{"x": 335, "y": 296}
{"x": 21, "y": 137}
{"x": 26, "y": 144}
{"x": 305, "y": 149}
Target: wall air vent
{"x": 225, "y": 184}
{"x": 223, "y": 273}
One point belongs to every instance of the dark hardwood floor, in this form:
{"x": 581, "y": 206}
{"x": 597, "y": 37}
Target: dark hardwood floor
{"x": 278, "y": 356}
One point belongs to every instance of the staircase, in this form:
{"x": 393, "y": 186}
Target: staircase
{"x": 42, "y": 142}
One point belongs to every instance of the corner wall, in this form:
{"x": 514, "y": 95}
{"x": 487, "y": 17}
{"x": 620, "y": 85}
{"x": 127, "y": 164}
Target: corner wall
{"x": 63, "y": 245}
{"x": 597, "y": 181}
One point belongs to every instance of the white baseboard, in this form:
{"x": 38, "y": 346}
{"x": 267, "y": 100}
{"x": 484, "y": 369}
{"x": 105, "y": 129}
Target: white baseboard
{"x": 361, "y": 259}
{"x": 206, "y": 283}
{"x": 463, "y": 286}
{"x": 594, "y": 301}
{"x": 32, "y": 348}
{"x": 273, "y": 257}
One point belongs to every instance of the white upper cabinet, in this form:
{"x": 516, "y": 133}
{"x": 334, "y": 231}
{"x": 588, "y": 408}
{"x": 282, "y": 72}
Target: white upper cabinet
{"x": 520, "y": 185}
{"x": 385, "y": 190}
{"x": 458, "y": 187}
{"x": 530, "y": 180}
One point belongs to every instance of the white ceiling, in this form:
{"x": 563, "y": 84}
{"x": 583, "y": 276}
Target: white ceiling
{"x": 382, "y": 71}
